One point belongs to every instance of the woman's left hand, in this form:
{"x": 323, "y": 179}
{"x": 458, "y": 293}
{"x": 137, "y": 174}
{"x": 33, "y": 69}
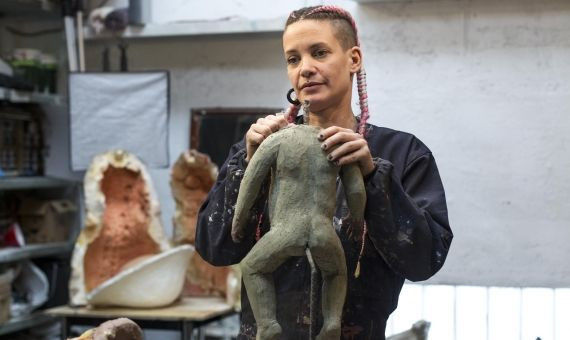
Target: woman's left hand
{"x": 345, "y": 146}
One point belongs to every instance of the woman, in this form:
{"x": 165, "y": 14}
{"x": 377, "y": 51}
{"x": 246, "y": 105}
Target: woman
{"x": 407, "y": 234}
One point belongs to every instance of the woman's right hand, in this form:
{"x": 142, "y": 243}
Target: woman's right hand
{"x": 260, "y": 130}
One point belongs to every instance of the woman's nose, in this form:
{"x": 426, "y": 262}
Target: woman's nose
{"x": 307, "y": 69}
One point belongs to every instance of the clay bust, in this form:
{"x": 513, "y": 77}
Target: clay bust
{"x": 301, "y": 209}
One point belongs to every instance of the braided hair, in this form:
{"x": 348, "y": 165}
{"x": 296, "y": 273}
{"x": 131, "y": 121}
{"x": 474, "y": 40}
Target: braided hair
{"x": 347, "y": 34}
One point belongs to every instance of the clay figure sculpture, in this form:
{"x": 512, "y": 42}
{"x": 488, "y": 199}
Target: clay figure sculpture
{"x": 301, "y": 208}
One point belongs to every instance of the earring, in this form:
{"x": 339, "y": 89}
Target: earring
{"x": 291, "y": 100}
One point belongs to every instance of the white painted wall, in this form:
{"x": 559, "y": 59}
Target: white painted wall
{"x": 166, "y": 11}
{"x": 484, "y": 83}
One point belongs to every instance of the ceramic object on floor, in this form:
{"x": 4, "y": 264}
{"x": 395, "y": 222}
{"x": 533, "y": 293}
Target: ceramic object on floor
{"x": 118, "y": 329}
{"x": 161, "y": 274}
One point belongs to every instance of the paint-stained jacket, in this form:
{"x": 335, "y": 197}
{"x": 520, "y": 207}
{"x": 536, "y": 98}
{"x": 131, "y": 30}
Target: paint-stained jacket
{"x": 408, "y": 237}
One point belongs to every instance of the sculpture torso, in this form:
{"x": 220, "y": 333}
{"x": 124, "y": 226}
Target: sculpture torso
{"x": 301, "y": 208}
{"x": 303, "y": 180}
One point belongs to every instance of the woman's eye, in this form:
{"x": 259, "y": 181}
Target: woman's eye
{"x": 292, "y": 60}
{"x": 320, "y": 53}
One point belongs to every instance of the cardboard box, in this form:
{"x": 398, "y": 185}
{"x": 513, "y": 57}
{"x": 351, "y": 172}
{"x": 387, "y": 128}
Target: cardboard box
{"x": 5, "y": 295}
{"x": 46, "y": 221}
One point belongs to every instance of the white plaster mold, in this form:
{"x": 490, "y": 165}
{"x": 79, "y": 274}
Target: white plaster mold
{"x": 95, "y": 208}
{"x": 154, "y": 282}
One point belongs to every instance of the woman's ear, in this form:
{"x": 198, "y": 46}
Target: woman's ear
{"x": 355, "y": 59}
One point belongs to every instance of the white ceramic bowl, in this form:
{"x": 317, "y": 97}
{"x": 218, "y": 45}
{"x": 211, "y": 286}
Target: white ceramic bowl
{"x": 153, "y": 282}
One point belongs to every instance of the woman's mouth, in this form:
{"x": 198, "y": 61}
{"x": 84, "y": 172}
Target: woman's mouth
{"x": 310, "y": 85}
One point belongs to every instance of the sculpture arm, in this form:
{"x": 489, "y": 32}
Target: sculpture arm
{"x": 355, "y": 194}
{"x": 407, "y": 217}
{"x": 213, "y": 230}
{"x": 255, "y": 174}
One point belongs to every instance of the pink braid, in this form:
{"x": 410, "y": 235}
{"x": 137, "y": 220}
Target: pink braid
{"x": 362, "y": 95}
{"x": 363, "y": 101}
{"x": 341, "y": 12}
{"x": 361, "y": 75}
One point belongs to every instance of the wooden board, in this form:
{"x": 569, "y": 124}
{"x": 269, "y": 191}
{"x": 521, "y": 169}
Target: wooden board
{"x": 189, "y": 309}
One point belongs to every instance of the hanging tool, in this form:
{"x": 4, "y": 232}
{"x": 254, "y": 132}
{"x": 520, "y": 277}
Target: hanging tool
{"x": 80, "y": 39}
{"x": 70, "y": 37}
{"x": 123, "y": 61}
{"x": 106, "y": 60}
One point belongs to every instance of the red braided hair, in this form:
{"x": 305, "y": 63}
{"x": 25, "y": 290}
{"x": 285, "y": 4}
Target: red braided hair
{"x": 348, "y": 39}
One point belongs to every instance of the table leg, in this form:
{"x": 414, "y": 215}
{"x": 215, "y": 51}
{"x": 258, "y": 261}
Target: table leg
{"x": 187, "y": 328}
{"x": 64, "y": 330}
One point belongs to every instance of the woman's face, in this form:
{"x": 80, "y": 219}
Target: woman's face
{"x": 318, "y": 67}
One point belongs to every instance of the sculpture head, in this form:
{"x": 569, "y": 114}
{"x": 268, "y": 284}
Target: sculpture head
{"x": 323, "y": 54}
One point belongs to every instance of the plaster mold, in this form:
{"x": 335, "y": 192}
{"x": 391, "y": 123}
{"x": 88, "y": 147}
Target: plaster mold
{"x": 162, "y": 274}
{"x": 192, "y": 177}
{"x": 122, "y": 222}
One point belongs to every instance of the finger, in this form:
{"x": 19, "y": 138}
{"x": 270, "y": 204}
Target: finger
{"x": 282, "y": 120}
{"x": 262, "y": 129}
{"x": 276, "y": 122}
{"x": 254, "y": 138}
{"x": 339, "y": 137}
{"x": 345, "y": 150}
{"x": 326, "y": 133}
{"x": 350, "y": 158}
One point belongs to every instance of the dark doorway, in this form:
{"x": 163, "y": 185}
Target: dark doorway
{"x": 214, "y": 130}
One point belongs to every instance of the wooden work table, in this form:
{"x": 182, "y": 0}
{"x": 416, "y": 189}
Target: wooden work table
{"x": 184, "y": 315}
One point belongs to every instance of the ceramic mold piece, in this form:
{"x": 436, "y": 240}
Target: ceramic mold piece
{"x": 192, "y": 177}
{"x": 153, "y": 282}
{"x": 122, "y": 222}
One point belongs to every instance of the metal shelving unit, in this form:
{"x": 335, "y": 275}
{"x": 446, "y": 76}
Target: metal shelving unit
{"x": 15, "y": 12}
{"x": 33, "y": 182}
{"x": 16, "y": 96}
{"x": 29, "y": 9}
{"x": 37, "y": 186}
{"x": 34, "y": 251}
{"x": 21, "y": 323}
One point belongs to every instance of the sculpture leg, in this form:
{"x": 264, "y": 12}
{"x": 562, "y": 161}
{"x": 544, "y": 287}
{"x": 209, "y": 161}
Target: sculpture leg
{"x": 257, "y": 271}
{"x": 329, "y": 256}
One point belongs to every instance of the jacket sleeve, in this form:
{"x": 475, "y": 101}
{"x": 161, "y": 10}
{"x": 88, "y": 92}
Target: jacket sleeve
{"x": 407, "y": 217}
{"x": 213, "y": 230}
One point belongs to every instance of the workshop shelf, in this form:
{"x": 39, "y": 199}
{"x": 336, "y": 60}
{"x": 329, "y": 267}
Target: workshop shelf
{"x": 13, "y": 254}
{"x": 24, "y": 322}
{"x": 33, "y": 182}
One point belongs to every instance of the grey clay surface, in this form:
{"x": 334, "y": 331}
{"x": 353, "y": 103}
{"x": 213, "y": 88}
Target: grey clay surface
{"x": 301, "y": 210}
